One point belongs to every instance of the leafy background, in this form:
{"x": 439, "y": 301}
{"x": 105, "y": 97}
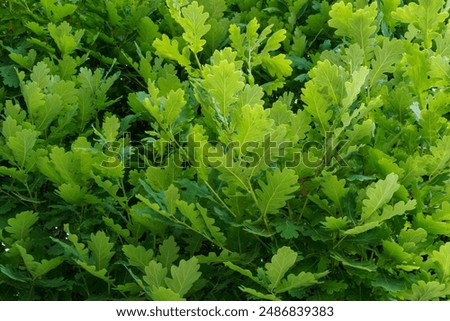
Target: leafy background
{"x": 104, "y": 102}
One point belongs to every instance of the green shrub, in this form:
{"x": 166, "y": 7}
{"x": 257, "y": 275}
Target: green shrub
{"x": 224, "y": 150}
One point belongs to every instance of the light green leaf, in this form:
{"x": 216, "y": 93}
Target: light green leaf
{"x": 27, "y": 61}
{"x": 154, "y": 274}
{"x": 71, "y": 193}
{"x": 63, "y": 37}
{"x": 215, "y": 231}
{"x": 61, "y": 166}
{"x": 300, "y": 124}
{"x": 359, "y": 26}
{"x": 353, "y": 88}
{"x": 317, "y": 106}
{"x": 274, "y": 41}
{"x": 101, "y": 249}
{"x": 424, "y": 19}
{"x": 386, "y": 55}
{"x": 160, "y": 178}
{"x": 49, "y": 112}
{"x": 171, "y": 196}
{"x": 439, "y": 159}
{"x": 22, "y": 146}
{"x": 223, "y": 82}
{"x": 20, "y": 226}
{"x": 173, "y": 106}
{"x": 277, "y": 66}
{"x": 190, "y": 212}
{"x": 426, "y": 291}
{"x": 279, "y": 265}
{"x": 137, "y": 256}
{"x": 287, "y": 229}
{"x": 442, "y": 261}
{"x": 359, "y": 134}
{"x": 168, "y": 252}
{"x": 277, "y": 189}
{"x": 110, "y": 128}
{"x": 252, "y": 124}
{"x": 443, "y": 44}
{"x": 330, "y": 79}
{"x": 378, "y": 195}
{"x": 390, "y": 211}
{"x": 10, "y": 127}
{"x": 183, "y": 276}
{"x": 251, "y": 95}
{"x": 334, "y": 189}
{"x": 336, "y": 223}
{"x": 395, "y": 252}
{"x": 34, "y": 98}
{"x": 237, "y": 39}
{"x": 40, "y": 74}
{"x": 167, "y": 48}
{"x": 193, "y": 21}
{"x": 440, "y": 70}
{"x": 412, "y": 236}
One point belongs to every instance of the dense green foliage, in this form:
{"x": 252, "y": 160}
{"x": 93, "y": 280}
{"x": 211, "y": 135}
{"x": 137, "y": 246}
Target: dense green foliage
{"x": 224, "y": 150}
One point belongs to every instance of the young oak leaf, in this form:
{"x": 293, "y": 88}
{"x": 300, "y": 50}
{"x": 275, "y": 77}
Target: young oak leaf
{"x": 63, "y": 37}
{"x": 443, "y": 44}
{"x": 22, "y": 145}
{"x": 252, "y": 124}
{"x": 378, "y": 195}
{"x": 168, "y": 252}
{"x": 138, "y": 256}
{"x": 425, "y": 291}
{"x": 442, "y": 260}
{"x": 215, "y": 231}
{"x": 330, "y": 78}
{"x": 101, "y": 250}
{"x": 440, "y": 70}
{"x": 155, "y": 274}
{"x": 359, "y": 26}
{"x": 334, "y": 189}
{"x": 386, "y": 56}
{"x": 183, "y": 276}
{"x": 277, "y": 189}
{"x": 173, "y": 106}
{"x": 317, "y": 106}
{"x": 20, "y": 226}
{"x": 353, "y": 88}
{"x": 376, "y": 220}
{"x": 280, "y": 263}
{"x": 277, "y": 66}
{"x": 167, "y": 48}
{"x": 193, "y": 21}
{"x": 223, "y": 82}
{"x": 424, "y": 19}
